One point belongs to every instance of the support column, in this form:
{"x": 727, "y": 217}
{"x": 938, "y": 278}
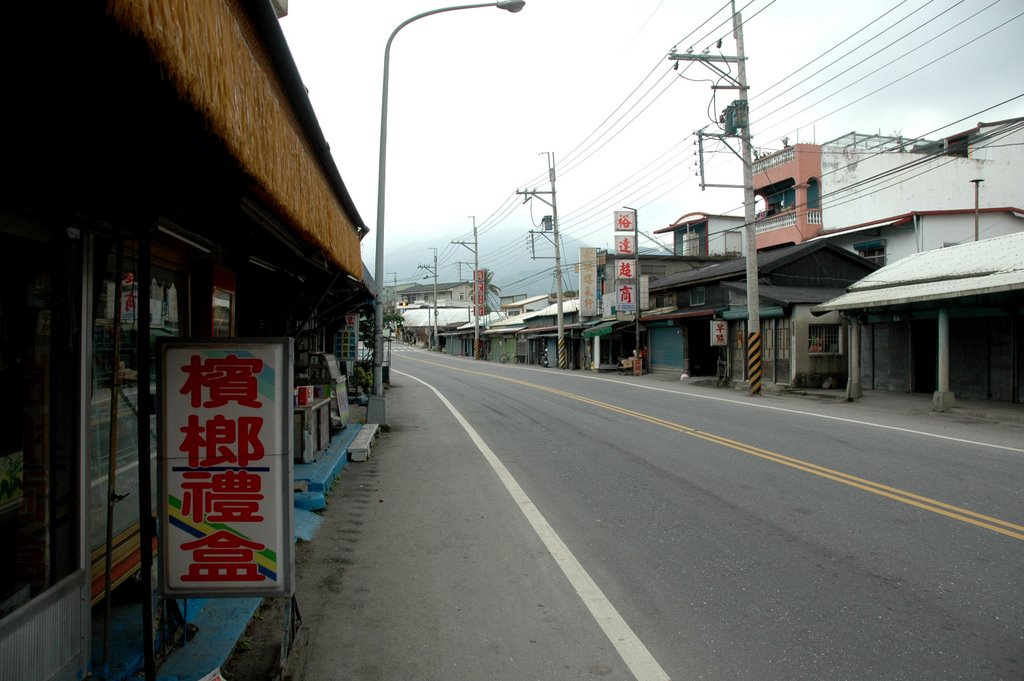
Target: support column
{"x": 943, "y": 398}
{"x": 597, "y": 352}
{"x": 855, "y": 391}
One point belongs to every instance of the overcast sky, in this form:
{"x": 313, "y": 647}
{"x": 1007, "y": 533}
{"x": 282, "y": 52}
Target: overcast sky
{"x": 478, "y": 98}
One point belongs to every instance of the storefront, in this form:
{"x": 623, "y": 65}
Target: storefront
{"x": 135, "y": 203}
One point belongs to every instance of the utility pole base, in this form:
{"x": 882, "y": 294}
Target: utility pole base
{"x": 377, "y": 410}
{"x": 943, "y": 400}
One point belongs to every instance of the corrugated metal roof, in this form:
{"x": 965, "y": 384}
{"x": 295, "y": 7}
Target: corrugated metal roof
{"x": 977, "y": 268}
{"x": 446, "y": 316}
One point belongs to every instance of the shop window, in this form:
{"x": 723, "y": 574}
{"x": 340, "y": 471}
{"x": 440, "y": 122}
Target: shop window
{"x": 39, "y": 499}
{"x": 223, "y": 312}
{"x": 113, "y": 398}
{"x": 824, "y": 339}
{"x": 223, "y": 322}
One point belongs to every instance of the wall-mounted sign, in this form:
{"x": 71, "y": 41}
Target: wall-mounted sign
{"x": 225, "y": 473}
{"x": 719, "y": 332}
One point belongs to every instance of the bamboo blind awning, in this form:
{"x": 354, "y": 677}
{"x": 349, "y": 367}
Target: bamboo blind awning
{"x": 215, "y": 60}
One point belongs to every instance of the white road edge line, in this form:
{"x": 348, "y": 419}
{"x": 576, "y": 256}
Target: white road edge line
{"x": 632, "y": 650}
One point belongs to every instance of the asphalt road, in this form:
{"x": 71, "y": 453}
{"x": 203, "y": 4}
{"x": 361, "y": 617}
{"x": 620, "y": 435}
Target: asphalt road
{"x": 549, "y": 525}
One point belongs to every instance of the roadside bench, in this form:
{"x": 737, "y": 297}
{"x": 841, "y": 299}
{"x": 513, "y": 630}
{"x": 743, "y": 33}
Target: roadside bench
{"x": 359, "y": 450}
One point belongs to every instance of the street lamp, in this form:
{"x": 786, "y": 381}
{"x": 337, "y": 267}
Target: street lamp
{"x": 377, "y": 408}
{"x": 976, "y": 183}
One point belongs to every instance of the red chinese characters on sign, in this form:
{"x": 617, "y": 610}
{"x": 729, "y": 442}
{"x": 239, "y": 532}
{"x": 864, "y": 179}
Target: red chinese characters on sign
{"x": 222, "y": 557}
{"x": 219, "y": 441}
{"x": 625, "y": 245}
{"x": 626, "y": 294}
{"x": 222, "y": 439}
{"x": 625, "y": 269}
{"x": 229, "y": 496}
{"x": 719, "y": 333}
{"x": 230, "y": 379}
{"x": 624, "y": 221}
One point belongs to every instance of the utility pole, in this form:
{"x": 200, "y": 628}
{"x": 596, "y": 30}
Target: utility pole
{"x": 737, "y": 118}
{"x": 533, "y": 193}
{"x": 433, "y": 270}
{"x": 478, "y": 284}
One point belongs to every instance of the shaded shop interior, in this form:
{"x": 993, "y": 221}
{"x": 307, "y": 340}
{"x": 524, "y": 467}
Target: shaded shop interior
{"x": 144, "y": 195}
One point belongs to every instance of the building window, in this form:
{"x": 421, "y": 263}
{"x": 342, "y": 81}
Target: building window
{"x": 824, "y": 339}
{"x": 813, "y": 194}
{"x": 696, "y": 296}
{"x": 872, "y": 250}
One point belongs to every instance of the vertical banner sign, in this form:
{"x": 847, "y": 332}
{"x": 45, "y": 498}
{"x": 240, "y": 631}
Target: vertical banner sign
{"x": 225, "y": 455}
{"x": 719, "y": 333}
{"x": 480, "y": 292}
{"x": 588, "y": 282}
{"x": 349, "y": 339}
{"x": 625, "y": 267}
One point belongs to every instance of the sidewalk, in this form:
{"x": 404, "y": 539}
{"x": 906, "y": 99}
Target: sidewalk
{"x": 882, "y": 400}
{"x": 217, "y": 625}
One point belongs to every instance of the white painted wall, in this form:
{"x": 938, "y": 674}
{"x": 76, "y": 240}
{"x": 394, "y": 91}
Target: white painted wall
{"x": 941, "y": 183}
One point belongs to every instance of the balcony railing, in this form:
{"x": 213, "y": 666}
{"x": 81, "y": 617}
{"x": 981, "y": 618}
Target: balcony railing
{"x": 776, "y": 222}
{"x": 774, "y": 161}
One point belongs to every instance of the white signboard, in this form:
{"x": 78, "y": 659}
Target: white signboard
{"x": 588, "y": 282}
{"x": 625, "y": 296}
{"x": 625, "y": 268}
{"x": 719, "y": 332}
{"x": 225, "y": 452}
{"x": 625, "y": 220}
{"x": 625, "y": 244}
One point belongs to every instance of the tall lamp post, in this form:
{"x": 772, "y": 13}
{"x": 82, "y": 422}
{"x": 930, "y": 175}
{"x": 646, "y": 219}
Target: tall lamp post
{"x": 976, "y": 183}
{"x": 377, "y": 411}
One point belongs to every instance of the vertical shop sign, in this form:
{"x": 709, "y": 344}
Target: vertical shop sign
{"x": 225, "y": 452}
{"x": 626, "y": 280}
{"x": 588, "y": 282}
{"x": 480, "y": 292}
{"x": 349, "y": 339}
{"x": 719, "y": 333}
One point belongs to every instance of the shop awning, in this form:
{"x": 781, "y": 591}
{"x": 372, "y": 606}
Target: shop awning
{"x": 602, "y": 329}
{"x": 740, "y": 312}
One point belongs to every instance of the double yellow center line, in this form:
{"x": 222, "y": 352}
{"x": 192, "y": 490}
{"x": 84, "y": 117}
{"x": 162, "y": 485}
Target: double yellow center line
{"x": 926, "y": 503}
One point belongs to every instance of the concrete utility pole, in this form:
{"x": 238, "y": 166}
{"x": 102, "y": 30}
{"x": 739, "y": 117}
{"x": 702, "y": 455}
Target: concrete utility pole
{"x": 531, "y": 193}
{"x": 477, "y": 304}
{"x": 738, "y": 123}
{"x": 433, "y": 270}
